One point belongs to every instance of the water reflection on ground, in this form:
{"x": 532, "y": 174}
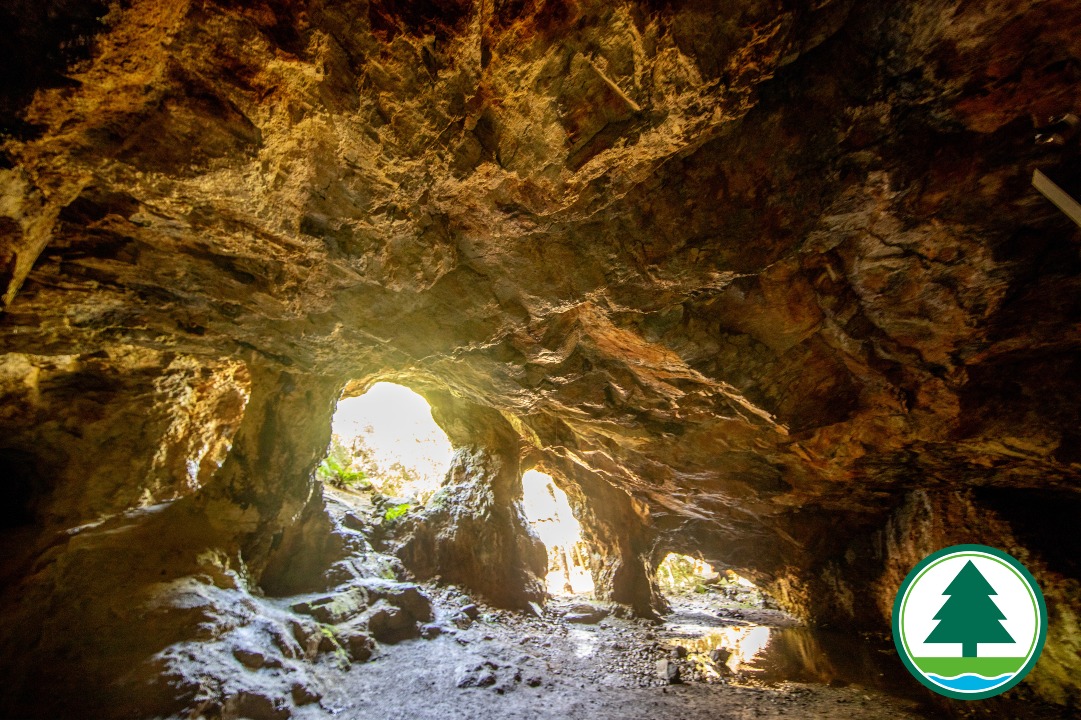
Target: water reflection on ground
{"x": 752, "y": 653}
{"x": 801, "y": 654}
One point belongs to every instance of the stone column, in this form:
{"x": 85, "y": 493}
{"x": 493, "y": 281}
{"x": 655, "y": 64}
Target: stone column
{"x": 473, "y": 532}
{"x": 268, "y": 476}
{"x": 619, "y": 535}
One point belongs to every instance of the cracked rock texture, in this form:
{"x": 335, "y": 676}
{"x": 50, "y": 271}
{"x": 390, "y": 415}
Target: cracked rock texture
{"x": 473, "y": 530}
{"x": 765, "y": 281}
{"x": 88, "y": 435}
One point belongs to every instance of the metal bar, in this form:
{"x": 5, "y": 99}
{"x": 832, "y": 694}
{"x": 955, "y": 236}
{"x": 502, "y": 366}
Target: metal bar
{"x": 1057, "y": 195}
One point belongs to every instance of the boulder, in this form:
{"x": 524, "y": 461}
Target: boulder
{"x": 720, "y": 655}
{"x": 405, "y": 596}
{"x": 391, "y": 624}
{"x": 356, "y": 639}
{"x": 335, "y": 608}
{"x": 584, "y": 613}
{"x": 668, "y": 670}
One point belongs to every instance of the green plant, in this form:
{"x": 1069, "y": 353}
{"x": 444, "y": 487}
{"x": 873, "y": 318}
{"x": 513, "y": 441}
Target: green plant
{"x": 680, "y": 574}
{"x": 396, "y": 511}
{"x": 338, "y": 471}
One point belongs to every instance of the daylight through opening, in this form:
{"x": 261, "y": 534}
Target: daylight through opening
{"x": 727, "y": 624}
{"x": 549, "y": 514}
{"x": 682, "y": 573}
{"x": 386, "y": 440}
{"x": 679, "y": 574}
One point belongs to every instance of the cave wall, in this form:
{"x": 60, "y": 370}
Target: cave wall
{"x": 85, "y": 436}
{"x": 268, "y": 478}
{"x": 472, "y": 531}
{"x": 859, "y": 587}
{"x": 156, "y": 608}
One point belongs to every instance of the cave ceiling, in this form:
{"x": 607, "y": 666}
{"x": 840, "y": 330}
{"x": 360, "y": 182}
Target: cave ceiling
{"x": 757, "y": 263}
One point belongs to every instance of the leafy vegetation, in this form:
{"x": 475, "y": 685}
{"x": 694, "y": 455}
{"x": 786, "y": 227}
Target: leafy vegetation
{"x": 681, "y": 574}
{"x": 396, "y": 511}
{"x": 356, "y": 467}
{"x": 339, "y": 470}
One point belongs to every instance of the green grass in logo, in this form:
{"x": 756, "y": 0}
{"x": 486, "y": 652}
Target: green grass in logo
{"x": 954, "y": 666}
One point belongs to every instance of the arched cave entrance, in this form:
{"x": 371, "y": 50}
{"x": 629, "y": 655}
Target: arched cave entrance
{"x": 384, "y": 459}
{"x": 435, "y": 482}
{"x": 386, "y": 441}
{"x": 681, "y": 575}
{"x": 550, "y": 516}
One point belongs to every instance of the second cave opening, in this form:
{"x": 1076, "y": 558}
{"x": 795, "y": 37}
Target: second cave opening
{"x": 550, "y": 516}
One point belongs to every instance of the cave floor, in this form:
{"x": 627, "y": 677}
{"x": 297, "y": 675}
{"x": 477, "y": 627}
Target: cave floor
{"x": 514, "y": 665}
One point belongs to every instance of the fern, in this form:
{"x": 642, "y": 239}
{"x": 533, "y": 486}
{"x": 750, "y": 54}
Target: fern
{"x": 337, "y": 469}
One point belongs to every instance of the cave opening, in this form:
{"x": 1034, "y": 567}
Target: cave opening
{"x": 550, "y": 517}
{"x": 385, "y": 441}
{"x": 678, "y": 573}
{"x": 680, "y": 576}
{"x": 725, "y": 623}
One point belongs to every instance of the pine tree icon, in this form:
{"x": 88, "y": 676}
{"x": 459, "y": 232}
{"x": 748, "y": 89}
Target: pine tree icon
{"x": 970, "y": 616}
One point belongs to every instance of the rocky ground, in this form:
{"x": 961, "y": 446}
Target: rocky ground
{"x": 512, "y": 665}
{"x": 402, "y": 650}
{"x": 722, "y": 652}
{"x": 368, "y": 641}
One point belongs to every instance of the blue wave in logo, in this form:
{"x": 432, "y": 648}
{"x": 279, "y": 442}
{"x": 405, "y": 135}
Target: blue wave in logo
{"x": 970, "y": 682}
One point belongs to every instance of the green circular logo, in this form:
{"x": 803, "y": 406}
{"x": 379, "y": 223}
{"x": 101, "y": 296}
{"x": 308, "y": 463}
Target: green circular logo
{"x": 969, "y": 622}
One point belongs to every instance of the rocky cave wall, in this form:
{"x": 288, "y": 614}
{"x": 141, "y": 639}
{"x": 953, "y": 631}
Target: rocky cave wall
{"x": 618, "y": 531}
{"x": 473, "y": 531}
{"x": 766, "y": 281}
{"x": 86, "y": 436}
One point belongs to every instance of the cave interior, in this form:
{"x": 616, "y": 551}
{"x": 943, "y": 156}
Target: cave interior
{"x": 765, "y": 284}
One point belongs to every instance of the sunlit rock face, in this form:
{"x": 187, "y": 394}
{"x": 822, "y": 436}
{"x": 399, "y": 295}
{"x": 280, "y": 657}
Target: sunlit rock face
{"x": 749, "y": 279}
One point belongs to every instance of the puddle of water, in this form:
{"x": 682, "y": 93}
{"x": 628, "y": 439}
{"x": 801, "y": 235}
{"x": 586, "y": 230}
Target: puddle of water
{"x": 772, "y": 655}
{"x": 798, "y": 654}
{"x": 802, "y": 654}
{"x": 744, "y": 642}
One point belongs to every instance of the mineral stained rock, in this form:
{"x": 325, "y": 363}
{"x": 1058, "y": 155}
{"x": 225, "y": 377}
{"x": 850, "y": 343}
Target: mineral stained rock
{"x": 765, "y": 281}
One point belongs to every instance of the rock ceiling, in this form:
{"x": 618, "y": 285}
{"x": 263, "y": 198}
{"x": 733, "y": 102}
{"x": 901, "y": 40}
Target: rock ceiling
{"x": 766, "y": 266}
